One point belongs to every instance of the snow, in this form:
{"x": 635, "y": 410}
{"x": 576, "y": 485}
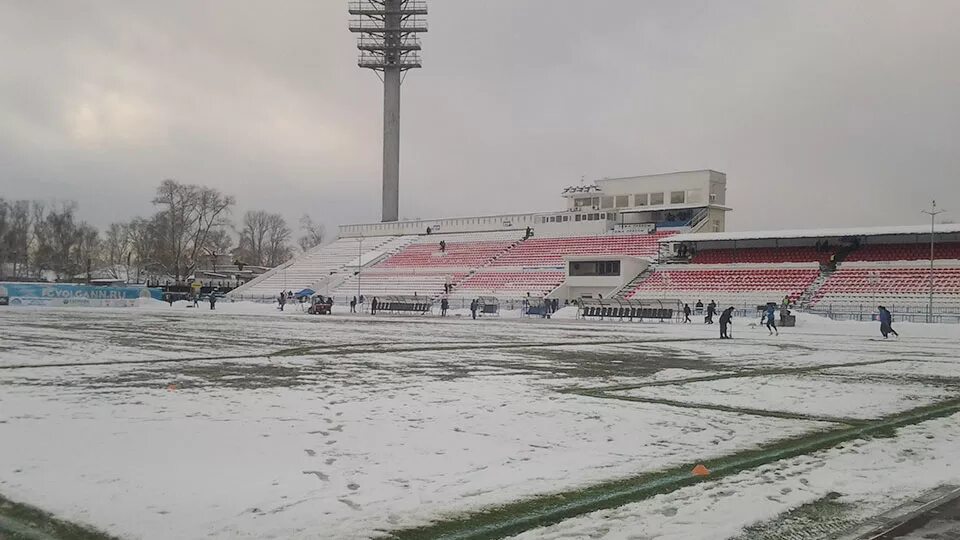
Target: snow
{"x": 368, "y": 424}
{"x": 868, "y": 474}
{"x": 808, "y": 395}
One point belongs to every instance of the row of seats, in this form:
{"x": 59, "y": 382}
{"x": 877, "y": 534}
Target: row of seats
{"x": 906, "y": 286}
{"x": 511, "y": 284}
{"x": 905, "y": 252}
{"x": 748, "y": 285}
{"x": 454, "y": 254}
{"x": 875, "y": 253}
{"x": 316, "y": 265}
{"x": 761, "y": 255}
{"x": 398, "y": 283}
{"x": 536, "y": 252}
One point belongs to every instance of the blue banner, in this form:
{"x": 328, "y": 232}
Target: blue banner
{"x": 73, "y": 294}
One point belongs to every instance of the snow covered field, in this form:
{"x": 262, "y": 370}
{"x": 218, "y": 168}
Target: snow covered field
{"x": 245, "y": 422}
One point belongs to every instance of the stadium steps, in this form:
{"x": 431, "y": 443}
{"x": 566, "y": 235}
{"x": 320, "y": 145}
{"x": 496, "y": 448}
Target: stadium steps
{"x": 808, "y": 294}
{"x": 484, "y": 265}
{"x": 622, "y": 292}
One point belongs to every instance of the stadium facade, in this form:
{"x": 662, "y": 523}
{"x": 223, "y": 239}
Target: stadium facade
{"x": 656, "y": 237}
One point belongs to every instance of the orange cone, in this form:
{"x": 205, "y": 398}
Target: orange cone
{"x": 700, "y": 470}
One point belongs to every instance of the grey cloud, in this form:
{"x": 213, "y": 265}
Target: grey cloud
{"x": 821, "y": 113}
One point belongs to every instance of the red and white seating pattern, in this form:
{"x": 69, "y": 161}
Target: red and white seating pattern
{"x": 895, "y": 286}
{"x": 760, "y": 255}
{"x": 741, "y": 286}
{"x": 375, "y": 282}
{"x": 510, "y": 284}
{"x": 455, "y": 254}
{"x": 904, "y": 252}
{"x": 541, "y": 252}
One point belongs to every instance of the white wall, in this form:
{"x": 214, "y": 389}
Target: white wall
{"x": 575, "y": 287}
{"x": 500, "y": 222}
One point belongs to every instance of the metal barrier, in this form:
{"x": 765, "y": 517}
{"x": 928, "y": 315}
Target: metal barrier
{"x": 404, "y": 304}
{"x": 488, "y": 305}
{"x": 628, "y": 309}
{"x": 847, "y": 312}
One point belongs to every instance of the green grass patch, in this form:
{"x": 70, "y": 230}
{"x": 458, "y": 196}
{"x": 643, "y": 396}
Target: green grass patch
{"x": 23, "y": 522}
{"x": 517, "y": 517}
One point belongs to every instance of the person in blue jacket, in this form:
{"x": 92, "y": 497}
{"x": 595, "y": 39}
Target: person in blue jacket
{"x": 886, "y": 322}
{"x": 771, "y": 322}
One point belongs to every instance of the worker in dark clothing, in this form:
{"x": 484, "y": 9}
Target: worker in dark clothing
{"x": 444, "y": 306}
{"x": 473, "y": 309}
{"x": 711, "y": 311}
{"x": 725, "y": 320}
{"x": 686, "y": 313}
{"x": 213, "y": 301}
{"x": 886, "y": 322}
{"x": 373, "y": 306}
{"x": 353, "y": 305}
{"x": 699, "y": 306}
{"x": 771, "y": 322}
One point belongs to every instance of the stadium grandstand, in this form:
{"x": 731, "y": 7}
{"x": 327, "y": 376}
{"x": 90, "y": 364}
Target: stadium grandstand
{"x": 658, "y": 237}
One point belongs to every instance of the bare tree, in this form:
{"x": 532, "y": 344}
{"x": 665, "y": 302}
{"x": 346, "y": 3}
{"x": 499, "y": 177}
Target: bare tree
{"x": 313, "y": 233}
{"x": 264, "y": 239}
{"x": 6, "y": 253}
{"x": 17, "y": 238}
{"x": 117, "y": 250}
{"x": 278, "y": 241}
{"x": 85, "y": 256}
{"x": 56, "y": 233}
{"x": 253, "y": 237}
{"x": 144, "y": 245}
{"x": 188, "y": 214}
{"x": 219, "y": 243}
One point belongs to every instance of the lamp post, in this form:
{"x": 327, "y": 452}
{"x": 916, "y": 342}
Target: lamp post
{"x": 359, "y": 263}
{"x": 933, "y": 214}
{"x": 874, "y": 280}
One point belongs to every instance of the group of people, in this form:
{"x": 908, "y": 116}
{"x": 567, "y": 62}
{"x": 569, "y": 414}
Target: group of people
{"x": 708, "y": 318}
{"x": 354, "y": 301}
{"x": 725, "y": 317}
{"x": 684, "y": 250}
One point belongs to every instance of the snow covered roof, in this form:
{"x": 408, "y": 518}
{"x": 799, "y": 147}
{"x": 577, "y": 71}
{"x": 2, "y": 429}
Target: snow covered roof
{"x": 813, "y": 233}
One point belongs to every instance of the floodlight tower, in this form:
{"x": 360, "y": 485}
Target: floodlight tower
{"x": 387, "y": 38}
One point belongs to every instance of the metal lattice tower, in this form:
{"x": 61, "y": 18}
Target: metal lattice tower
{"x": 387, "y": 38}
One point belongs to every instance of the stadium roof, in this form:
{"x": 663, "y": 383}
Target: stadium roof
{"x": 812, "y": 233}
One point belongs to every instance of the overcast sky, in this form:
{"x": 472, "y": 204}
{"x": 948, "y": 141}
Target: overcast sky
{"x": 821, "y": 112}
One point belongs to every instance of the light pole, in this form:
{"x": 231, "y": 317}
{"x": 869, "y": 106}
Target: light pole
{"x": 359, "y": 264}
{"x": 933, "y": 214}
{"x": 874, "y": 279}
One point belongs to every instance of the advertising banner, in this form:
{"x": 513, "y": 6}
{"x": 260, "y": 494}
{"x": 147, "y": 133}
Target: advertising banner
{"x": 72, "y": 294}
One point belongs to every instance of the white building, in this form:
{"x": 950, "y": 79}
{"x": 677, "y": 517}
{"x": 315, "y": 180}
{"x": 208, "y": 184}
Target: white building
{"x": 691, "y": 200}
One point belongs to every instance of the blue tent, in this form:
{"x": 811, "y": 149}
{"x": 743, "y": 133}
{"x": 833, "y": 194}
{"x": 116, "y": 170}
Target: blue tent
{"x": 306, "y": 293}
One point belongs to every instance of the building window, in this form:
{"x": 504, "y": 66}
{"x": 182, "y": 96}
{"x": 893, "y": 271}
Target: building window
{"x": 595, "y": 268}
{"x": 623, "y": 201}
{"x": 578, "y": 217}
{"x": 678, "y": 197}
{"x": 641, "y": 199}
{"x": 656, "y": 198}
{"x": 606, "y": 202}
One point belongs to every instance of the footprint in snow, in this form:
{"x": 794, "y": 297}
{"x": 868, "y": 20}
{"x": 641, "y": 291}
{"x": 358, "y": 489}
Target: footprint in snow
{"x": 351, "y": 504}
{"x": 318, "y": 474}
